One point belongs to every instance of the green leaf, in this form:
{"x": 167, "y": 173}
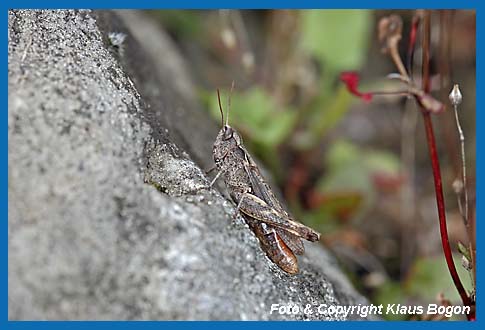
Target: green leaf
{"x": 340, "y": 154}
{"x": 430, "y": 276}
{"x": 272, "y": 134}
{"x": 347, "y": 174}
{"x": 337, "y": 38}
{"x": 382, "y": 161}
{"x": 350, "y": 171}
{"x": 350, "y": 177}
{"x": 329, "y": 113}
{"x": 321, "y": 221}
{"x": 186, "y": 23}
{"x": 254, "y": 113}
{"x": 464, "y": 251}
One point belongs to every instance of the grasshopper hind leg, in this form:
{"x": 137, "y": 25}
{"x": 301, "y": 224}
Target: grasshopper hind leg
{"x": 292, "y": 241}
{"x": 274, "y": 247}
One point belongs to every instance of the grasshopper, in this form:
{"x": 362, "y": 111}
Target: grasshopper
{"x": 279, "y": 235}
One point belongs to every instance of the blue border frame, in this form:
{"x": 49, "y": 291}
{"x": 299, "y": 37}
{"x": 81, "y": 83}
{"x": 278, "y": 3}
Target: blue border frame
{"x": 252, "y": 4}
{"x": 247, "y": 4}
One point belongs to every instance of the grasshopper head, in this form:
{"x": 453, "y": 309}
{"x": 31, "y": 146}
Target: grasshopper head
{"x": 226, "y": 141}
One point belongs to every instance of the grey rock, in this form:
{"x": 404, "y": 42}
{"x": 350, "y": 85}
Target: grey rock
{"x": 110, "y": 216}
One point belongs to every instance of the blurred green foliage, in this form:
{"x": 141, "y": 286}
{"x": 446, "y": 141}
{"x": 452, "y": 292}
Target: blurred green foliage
{"x": 350, "y": 167}
{"x": 430, "y": 276}
{"x": 324, "y": 114}
{"x": 337, "y": 38}
{"x": 427, "y": 278}
{"x": 348, "y": 182}
{"x": 255, "y": 113}
{"x": 181, "y": 23}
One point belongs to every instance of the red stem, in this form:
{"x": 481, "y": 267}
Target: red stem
{"x": 441, "y": 208}
{"x": 412, "y": 43}
{"x": 437, "y": 172}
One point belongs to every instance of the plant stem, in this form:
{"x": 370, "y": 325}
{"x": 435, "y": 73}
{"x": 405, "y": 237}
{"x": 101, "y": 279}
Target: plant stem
{"x": 465, "y": 214}
{"x": 397, "y": 60}
{"x": 444, "y": 65}
{"x": 412, "y": 43}
{"x": 463, "y": 162}
{"x": 441, "y": 207}
{"x": 436, "y": 165}
{"x": 426, "y": 82}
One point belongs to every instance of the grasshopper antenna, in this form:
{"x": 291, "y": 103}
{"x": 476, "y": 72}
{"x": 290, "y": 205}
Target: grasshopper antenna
{"x": 229, "y": 103}
{"x": 220, "y": 107}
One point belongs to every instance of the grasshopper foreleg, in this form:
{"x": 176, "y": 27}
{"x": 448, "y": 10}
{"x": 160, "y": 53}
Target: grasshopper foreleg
{"x": 238, "y": 207}
{"x": 210, "y": 169}
{"x": 215, "y": 178}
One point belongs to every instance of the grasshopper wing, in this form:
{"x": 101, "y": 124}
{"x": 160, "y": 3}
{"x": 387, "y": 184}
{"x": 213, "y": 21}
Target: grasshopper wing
{"x": 262, "y": 190}
{"x": 256, "y": 208}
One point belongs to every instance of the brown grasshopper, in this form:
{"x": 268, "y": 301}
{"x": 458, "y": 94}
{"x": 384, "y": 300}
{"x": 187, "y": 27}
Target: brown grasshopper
{"x": 279, "y": 235}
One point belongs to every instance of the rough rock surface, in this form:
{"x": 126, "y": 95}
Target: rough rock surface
{"x": 109, "y": 217}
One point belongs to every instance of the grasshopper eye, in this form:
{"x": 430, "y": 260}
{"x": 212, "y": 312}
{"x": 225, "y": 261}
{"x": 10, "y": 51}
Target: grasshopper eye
{"x": 228, "y": 131}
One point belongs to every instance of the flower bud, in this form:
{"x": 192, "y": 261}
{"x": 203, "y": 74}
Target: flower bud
{"x": 455, "y": 95}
